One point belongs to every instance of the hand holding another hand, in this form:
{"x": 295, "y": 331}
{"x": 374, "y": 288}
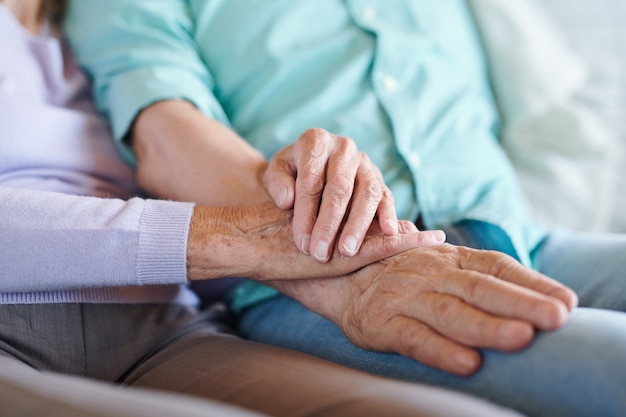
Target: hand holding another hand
{"x": 335, "y": 191}
{"x": 257, "y": 242}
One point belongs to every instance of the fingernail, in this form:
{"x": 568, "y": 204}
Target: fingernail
{"x": 552, "y": 315}
{"x": 467, "y": 361}
{"x": 434, "y": 236}
{"x": 305, "y": 241}
{"x": 349, "y": 244}
{"x": 321, "y": 250}
{"x": 439, "y": 236}
{"x": 282, "y": 196}
{"x": 515, "y": 334}
{"x": 566, "y": 296}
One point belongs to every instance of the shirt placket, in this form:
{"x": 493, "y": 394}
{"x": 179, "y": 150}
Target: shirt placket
{"x": 394, "y": 28}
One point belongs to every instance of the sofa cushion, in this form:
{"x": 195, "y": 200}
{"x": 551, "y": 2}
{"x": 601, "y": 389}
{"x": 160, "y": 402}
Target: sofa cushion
{"x": 552, "y": 131}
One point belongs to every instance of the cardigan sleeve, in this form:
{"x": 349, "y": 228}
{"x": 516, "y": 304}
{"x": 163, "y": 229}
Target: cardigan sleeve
{"x": 52, "y": 241}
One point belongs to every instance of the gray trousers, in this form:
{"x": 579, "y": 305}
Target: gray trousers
{"x": 156, "y": 360}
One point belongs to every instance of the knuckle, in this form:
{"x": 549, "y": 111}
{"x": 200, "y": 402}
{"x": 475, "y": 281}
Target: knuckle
{"x": 500, "y": 264}
{"x": 466, "y": 253}
{"x": 315, "y": 139}
{"x": 367, "y": 162}
{"x": 407, "y": 226}
{"x": 328, "y": 228}
{"x": 504, "y": 266}
{"x": 314, "y": 133}
{"x": 475, "y": 289}
{"x": 345, "y": 144}
{"x": 389, "y": 244}
{"x": 311, "y": 183}
{"x": 415, "y": 336}
{"x": 420, "y": 342}
{"x": 373, "y": 191}
{"x": 446, "y": 311}
{"x": 340, "y": 185}
{"x": 387, "y": 194}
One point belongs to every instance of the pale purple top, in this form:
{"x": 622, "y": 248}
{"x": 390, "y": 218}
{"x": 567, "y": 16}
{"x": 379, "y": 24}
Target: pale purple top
{"x": 57, "y": 244}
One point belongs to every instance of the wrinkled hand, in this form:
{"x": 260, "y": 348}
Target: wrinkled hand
{"x": 334, "y": 189}
{"x": 438, "y": 305}
{"x": 257, "y": 242}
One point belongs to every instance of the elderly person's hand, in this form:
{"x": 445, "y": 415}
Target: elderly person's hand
{"x": 257, "y": 242}
{"x": 335, "y": 190}
{"x": 440, "y": 304}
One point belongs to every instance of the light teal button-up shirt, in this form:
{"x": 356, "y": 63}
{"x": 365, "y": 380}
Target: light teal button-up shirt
{"x": 406, "y": 79}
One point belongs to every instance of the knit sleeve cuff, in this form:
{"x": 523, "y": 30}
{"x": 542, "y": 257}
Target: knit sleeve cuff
{"x": 162, "y": 254}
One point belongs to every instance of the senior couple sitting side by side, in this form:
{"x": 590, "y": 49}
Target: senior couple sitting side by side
{"x": 267, "y": 153}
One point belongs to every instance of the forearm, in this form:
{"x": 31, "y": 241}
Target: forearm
{"x": 184, "y": 155}
{"x": 256, "y": 241}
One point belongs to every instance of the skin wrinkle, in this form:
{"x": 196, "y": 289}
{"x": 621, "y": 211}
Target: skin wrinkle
{"x": 339, "y": 186}
{"x": 236, "y": 227}
{"x": 423, "y": 341}
{"x": 312, "y": 183}
{"x": 373, "y": 298}
{"x": 300, "y": 174}
{"x": 216, "y": 234}
{"x": 372, "y": 303}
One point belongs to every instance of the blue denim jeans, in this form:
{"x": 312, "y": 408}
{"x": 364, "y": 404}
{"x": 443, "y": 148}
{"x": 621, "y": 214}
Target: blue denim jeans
{"x": 578, "y": 370}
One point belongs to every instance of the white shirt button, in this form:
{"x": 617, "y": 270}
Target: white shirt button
{"x": 369, "y": 13}
{"x": 390, "y": 83}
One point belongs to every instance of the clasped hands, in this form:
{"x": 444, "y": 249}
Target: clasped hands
{"x": 386, "y": 286}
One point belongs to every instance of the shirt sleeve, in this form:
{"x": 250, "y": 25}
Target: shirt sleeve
{"x": 53, "y": 241}
{"x": 138, "y": 52}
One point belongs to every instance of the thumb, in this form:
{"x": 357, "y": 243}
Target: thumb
{"x": 280, "y": 182}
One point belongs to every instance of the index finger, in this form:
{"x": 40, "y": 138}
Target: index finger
{"x": 325, "y": 189}
{"x": 505, "y": 267}
{"x": 503, "y": 299}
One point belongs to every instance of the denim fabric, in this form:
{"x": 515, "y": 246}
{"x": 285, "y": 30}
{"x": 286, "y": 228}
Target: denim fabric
{"x": 480, "y": 235}
{"x": 578, "y": 370}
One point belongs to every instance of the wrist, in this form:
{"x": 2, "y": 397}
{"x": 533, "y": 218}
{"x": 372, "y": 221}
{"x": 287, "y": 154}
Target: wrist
{"x": 238, "y": 241}
{"x": 324, "y": 296}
